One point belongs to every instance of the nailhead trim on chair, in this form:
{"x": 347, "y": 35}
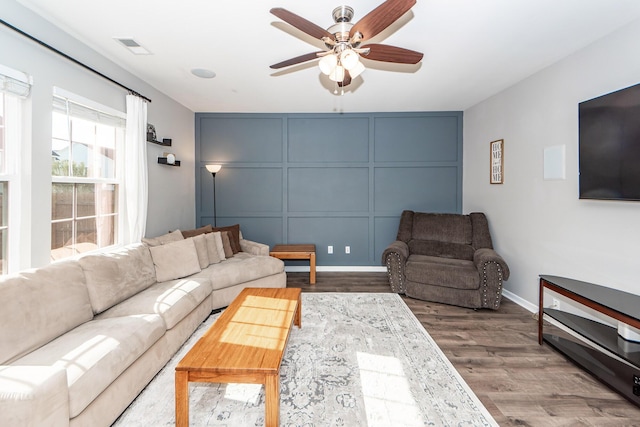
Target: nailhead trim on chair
{"x": 396, "y": 286}
{"x": 485, "y": 300}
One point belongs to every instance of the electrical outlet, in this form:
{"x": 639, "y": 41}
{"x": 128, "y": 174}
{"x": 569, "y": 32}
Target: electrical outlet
{"x": 555, "y": 303}
{"x": 329, "y": 249}
{"x": 636, "y": 379}
{"x": 347, "y": 249}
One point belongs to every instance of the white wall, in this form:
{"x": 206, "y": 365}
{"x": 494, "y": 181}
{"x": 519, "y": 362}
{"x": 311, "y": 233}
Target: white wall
{"x": 541, "y": 227}
{"x": 171, "y": 189}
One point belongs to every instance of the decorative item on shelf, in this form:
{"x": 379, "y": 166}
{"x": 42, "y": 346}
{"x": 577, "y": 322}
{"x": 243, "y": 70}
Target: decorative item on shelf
{"x": 153, "y": 137}
{"x": 496, "y": 164}
{"x": 168, "y": 159}
{"x": 151, "y": 133}
{"x": 214, "y": 169}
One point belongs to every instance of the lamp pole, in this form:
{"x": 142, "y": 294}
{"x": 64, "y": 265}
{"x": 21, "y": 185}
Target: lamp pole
{"x": 214, "y": 169}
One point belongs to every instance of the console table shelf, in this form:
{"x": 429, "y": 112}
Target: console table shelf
{"x": 600, "y": 350}
{"x": 604, "y": 335}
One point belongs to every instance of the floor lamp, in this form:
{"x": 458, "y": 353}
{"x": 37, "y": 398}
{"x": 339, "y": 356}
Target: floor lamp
{"x": 214, "y": 169}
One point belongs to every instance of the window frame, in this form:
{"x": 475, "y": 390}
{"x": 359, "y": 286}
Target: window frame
{"x": 117, "y": 179}
{"x": 14, "y": 90}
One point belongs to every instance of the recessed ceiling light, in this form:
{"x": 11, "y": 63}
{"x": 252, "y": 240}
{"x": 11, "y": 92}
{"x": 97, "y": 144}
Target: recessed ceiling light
{"x": 203, "y": 73}
{"x": 133, "y": 46}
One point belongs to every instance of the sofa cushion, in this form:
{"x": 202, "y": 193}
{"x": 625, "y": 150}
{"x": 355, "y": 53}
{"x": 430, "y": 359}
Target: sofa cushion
{"x": 451, "y": 273}
{"x": 212, "y": 247}
{"x": 165, "y": 238}
{"x": 175, "y": 260}
{"x": 190, "y": 233}
{"x": 452, "y": 228}
{"x": 200, "y": 243}
{"x": 96, "y": 353}
{"x": 34, "y": 396}
{"x": 219, "y": 245}
{"x": 234, "y": 236}
{"x": 116, "y": 275}
{"x": 241, "y": 268}
{"x": 441, "y": 249}
{"x": 39, "y": 305}
{"x": 172, "y": 300}
{"x": 226, "y": 244}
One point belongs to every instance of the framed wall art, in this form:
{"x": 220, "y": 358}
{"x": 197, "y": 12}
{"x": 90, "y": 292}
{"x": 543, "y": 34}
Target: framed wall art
{"x": 497, "y": 162}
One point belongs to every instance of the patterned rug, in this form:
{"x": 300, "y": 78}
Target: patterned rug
{"x": 359, "y": 360}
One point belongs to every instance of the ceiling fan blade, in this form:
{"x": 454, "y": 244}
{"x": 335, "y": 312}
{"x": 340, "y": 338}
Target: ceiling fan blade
{"x": 347, "y": 79}
{"x": 300, "y": 23}
{"x": 386, "y": 53}
{"x": 381, "y": 17}
{"x": 297, "y": 60}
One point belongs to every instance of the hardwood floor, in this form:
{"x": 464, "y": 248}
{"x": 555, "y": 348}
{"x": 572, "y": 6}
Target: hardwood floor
{"x": 520, "y": 382}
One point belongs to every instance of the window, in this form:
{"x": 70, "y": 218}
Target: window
{"x": 14, "y": 86}
{"x": 85, "y": 147}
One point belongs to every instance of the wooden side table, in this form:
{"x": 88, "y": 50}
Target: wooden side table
{"x": 298, "y": 252}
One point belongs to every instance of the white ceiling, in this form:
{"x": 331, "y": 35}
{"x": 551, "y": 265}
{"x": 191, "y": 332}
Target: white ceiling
{"x": 472, "y": 49}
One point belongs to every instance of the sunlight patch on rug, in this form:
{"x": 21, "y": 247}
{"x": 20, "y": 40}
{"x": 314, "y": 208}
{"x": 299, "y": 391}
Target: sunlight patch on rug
{"x": 358, "y": 360}
{"x": 248, "y": 393}
{"x": 386, "y": 392}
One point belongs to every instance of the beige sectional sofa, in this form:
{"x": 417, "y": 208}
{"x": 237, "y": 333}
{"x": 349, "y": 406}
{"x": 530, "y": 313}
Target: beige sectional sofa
{"x": 79, "y": 339}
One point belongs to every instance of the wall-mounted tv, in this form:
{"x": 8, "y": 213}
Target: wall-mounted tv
{"x": 609, "y": 146}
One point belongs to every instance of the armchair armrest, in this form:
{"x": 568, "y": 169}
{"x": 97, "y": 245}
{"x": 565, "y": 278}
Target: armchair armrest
{"x": 254, "y": 248}
{"x": 493, "y": 272}
{"x": 483, "y": 256}
{"x": 33, "y": 396}
{"x": 394, "y": 257}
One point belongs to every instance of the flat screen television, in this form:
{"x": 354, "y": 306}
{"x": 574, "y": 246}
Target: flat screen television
{"x": 609, "y": 146}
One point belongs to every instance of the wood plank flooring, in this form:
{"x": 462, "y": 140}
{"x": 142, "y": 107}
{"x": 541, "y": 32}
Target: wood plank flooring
{"x": 497, "y": 353}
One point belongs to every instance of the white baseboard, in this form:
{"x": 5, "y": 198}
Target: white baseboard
{"x": 520, "y": 301}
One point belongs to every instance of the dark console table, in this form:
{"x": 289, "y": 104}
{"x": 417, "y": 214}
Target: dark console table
{"x": 610, "y": 358}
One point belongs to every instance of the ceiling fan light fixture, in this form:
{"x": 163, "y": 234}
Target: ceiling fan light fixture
{"x": 349, "y": 59}
{"x": 356, "y": 70}
{"x": 328, "y": 63}
{"x": 341, "y": 60}
{"x": 337, "y": 75}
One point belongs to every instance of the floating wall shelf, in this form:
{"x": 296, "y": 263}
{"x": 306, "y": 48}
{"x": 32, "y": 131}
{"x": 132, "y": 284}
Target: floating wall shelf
{"x": 165, "y": 142}
{"x": 163, "y": 161}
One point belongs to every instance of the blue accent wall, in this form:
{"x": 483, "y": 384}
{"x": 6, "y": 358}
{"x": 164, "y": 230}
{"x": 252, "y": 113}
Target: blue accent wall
{"x": 329, "y": 179}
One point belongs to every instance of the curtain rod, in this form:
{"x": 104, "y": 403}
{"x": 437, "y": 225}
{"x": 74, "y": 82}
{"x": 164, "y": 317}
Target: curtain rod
{"x": 41, "y": 43}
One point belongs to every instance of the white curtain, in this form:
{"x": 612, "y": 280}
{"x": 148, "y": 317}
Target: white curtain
{"x": 135, "y": 170}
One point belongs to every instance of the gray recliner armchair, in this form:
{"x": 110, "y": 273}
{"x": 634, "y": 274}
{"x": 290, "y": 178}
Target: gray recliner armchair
{"x": 446, "y": 258}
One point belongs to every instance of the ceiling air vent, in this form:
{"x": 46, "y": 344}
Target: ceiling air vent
{"x": 133, "y": 46}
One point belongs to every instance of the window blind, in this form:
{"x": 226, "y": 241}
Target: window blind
{"x": 14, "y": 82}
{"x": 67, "y": 106}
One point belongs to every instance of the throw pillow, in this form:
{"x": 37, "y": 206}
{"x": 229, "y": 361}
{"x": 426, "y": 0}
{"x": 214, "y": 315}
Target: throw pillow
{"x": 219, "y": 245}
{"x": 190, "y": 233}
{"x": 201, "y": 249}
{"x": 175, "y": 260}
{"x": 234, "y": 236}
{"x": 228, "y": 252}
{"x": 212, "y": 248}
{"x": 174, "y": 236}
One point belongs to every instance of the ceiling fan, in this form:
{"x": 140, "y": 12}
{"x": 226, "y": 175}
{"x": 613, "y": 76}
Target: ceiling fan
{"x": 341, "y": 60}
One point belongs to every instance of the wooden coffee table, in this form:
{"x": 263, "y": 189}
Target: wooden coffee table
{"x": 244, "y": 345}
{"x": 298, "y": 252}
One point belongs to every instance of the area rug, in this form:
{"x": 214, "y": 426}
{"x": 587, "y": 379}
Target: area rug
{"x": 358, "y": 360}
